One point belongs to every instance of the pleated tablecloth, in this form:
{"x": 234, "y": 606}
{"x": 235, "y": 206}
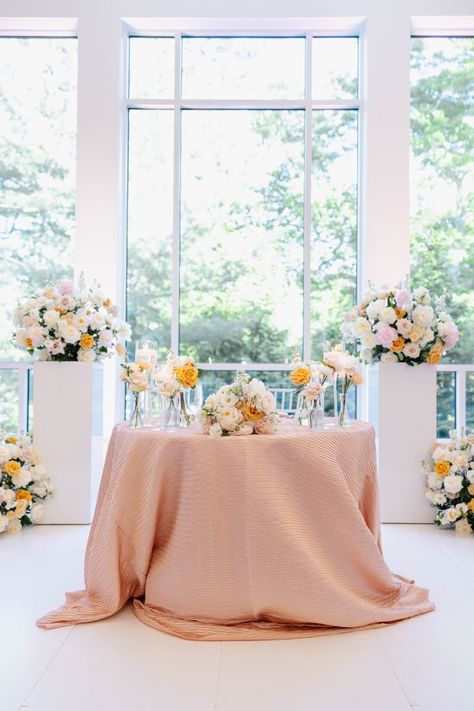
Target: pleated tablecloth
{"x": 251, "y": 537}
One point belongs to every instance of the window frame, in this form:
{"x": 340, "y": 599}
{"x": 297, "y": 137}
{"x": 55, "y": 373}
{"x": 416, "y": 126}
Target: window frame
{"x": 177, "y": 104}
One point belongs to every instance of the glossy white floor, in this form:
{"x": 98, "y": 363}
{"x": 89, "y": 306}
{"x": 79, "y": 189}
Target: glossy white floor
{"x": 423, "y": 664}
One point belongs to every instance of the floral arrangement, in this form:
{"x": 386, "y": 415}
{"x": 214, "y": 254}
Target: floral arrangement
{"x": 135, "y": 375}
{"x": 401, "y": 325}
{"x": 244, "y": 407}
{"x": 65, "y": 323}
{"x": 450, "y": 482}
{"x": 348, "y": 369}
{"x": 23, "y": 484}
{"x": 310, "y": 377}
{"x": 177, "y": 375}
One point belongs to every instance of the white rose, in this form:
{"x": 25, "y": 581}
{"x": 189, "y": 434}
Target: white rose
{"x": 37, "y": 513}
{"x": 435, "y": 481}
{"x": 451, "y": 515}
{"x": 453, "y": 483}
{"x": 423, "y": 316}
{"x": 463, "y": 527}
{"x": 404, "y": 326}
{"x": 22, "y": 478}
{"x": 37, "y": 472}
{"x": 39, "y": 489}
{"x": 374, "y": 308}
{"x": 441, "y": 453}
{"x": 368, "y": 296}
{"x": 7, "y": 496}
{"x": 366, "y": 355}
{"x": 13, "y": 451}
{"x": 215, "y": 430}
{"x": 421, "y": 293}
{"x": 4, "y": 456}
{"x": 368, "y": 340}
{"x": 228, "y": 398}
{"x": 361, "y": 326}
{"x": 229, "y": 417}
{"x": 388, "y": 315}
{"x": 389, "y": 358}
{"x": 268, "y": 402}
{"x": 3, "y": 523}
{"x": 458, "y": 459}
{"x": 14, "y": 526}
{"x": 86, "y": 356}
{"x": 439, "y": 499}
{"x": 411, "y": 350}
{"x": 105, "y": 338}
{"x": 124, "y": 331}
{"x": 69, "y": 333}
{"x": 51, "y": 317}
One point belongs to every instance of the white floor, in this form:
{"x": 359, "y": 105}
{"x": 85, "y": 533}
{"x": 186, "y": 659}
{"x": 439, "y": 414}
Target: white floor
{"x": 424, "y": 664}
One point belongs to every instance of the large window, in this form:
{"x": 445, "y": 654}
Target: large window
{"x": 242, "y": 196}
{"x": 37, "y": 181}
{"x": 442, "y": 195}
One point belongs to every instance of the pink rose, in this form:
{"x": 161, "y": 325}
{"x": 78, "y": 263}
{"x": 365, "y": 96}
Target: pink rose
{"x": 403, "y": 298}
{"x": 452, "y": 335}
{"x": 386, "y": 335}
{"x": 56, "y": 347}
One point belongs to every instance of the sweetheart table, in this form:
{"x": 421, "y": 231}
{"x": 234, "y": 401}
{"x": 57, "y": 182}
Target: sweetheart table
{"x": 250, "y": 537}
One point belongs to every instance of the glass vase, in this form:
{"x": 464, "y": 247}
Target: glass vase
{"x": 136, "y": 409}
{"x": 170, "y": 413}
{"x": 302, "y": 412}
{"x": 343, "y": 419}
{"x": 316, "y": 414}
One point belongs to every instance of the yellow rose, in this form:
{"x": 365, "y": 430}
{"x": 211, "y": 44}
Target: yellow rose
{"x": 21, "y": 507}
{"x": 87, "y": 341}
{"x": 28, "y": 343}
{"x": 12, "y": 467}
{"x": 23, "y": 494}
{"x": 300, "y": 376}
{"x": 416, "y": 333}
{"x": 400, "y": 312}
{"x": 434, "y": 356}
{"x": 397, "y": 345}
{"x": 470, "y": 505}
{"x": 250, "y": 412}
{"x": 11, "y": 440}
{"x": 442, "y": 467}
{"x": 187, "y": 375}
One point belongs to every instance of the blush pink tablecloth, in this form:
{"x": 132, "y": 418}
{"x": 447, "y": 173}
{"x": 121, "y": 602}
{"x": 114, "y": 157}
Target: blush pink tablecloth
{"x": 254, "y": 537}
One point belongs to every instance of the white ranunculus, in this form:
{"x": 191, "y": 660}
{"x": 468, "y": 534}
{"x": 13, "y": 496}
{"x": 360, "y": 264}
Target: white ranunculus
{"x": 22, "y": 478}
{"x": 423, "y": 316}
{"x": 325, "y": 370}
{"x": 37, "y": 513}
{"x": 388, "y": 315}
{"x": 215, "y": 430}
{"x": 86, "y": 355}
{"x": 389, "y": 358}
{"x": 453, "y": 483}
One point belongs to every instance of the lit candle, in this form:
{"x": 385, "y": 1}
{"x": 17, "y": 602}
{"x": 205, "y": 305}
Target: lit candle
{"x": 146, "y": 354}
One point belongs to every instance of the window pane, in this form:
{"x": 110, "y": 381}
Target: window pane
{"x": 150, "y": 225}
{"x": 335, "y": 67}
{"x": 442, "y": 178}
{"x": 470, "y": 402}
{"x": 242, "y": 234}
{"x": 9, "y": 400}
{"x": 446, "y": 403}
{"x": 151, "y": 73}
{"x": 334, "y": 222}
{"x": 37, "y": 168}
{"x": 212, "y": 380}
{"x": 243, "y": 68}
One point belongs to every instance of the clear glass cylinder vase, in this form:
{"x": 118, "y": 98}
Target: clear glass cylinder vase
{"x": 136, "y": 409}
{"x": 170, "y": 412}
{"x": 343, "y": 419}
{"x": 316, "y": 413}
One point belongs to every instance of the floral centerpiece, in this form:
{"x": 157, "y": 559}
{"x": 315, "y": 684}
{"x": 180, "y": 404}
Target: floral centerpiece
{"x": 310, "y": 378}
{"x": 348, "y": 369}
{"x": 135, "y": 375}
{"x": 401, "y": 326}
{"x": 68, "y": 323}
{"x": 244, "y": 407}
{"x": 450, "y": 482}
{"x": 177, "y": 375}
{"x": 23, "y": 484}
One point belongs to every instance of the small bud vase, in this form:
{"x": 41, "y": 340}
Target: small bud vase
{"x": 316, "y": 414}
{"x": 136, "y": 407}
{"x": 343, "y": 419}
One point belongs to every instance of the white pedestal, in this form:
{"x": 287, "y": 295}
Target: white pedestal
{"x": 67, "y": 412}
{"x": 402, "y": 408}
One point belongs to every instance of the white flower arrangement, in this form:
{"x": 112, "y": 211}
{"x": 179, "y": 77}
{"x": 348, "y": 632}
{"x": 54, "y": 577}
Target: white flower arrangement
{"x": 23, "y": 484}
{"x": 450, "y": 482}
{"x": 178, "y": 374}
{"x": 244, "y": 407}
{"x": 400, "y": 326}
{"x": 136, "y": 376}
{"x": 65, "y": 323}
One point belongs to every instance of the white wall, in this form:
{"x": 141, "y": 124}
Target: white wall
{"x": 385, "y": 27}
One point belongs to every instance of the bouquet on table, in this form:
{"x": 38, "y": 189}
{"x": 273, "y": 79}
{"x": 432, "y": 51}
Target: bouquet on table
{"x": 244, "y": 407}
{"x": 177, "y": 375}
{"x": 68, "y": 323}
{"x": 135, "y": 375}
{"x": 450, "y": 482}
{"x": 401, "y": 326}
{"x": 23, "y": 484}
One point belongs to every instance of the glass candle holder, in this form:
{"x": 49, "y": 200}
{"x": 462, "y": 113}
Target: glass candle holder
{"x": 146, "y": 350}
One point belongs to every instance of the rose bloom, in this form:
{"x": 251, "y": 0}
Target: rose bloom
{"x": 65, "y": 286}
{"x": 388, "y": 315}
{"x": 453, "y": 483}
{"x": 442, "y": 468}
{"x": 386, "y": 335}
{"x": 300, "y": 376}
{"x": 312, "y": 391}
{"x": 463, "y": 527}
{"x": 411, "y": 350}
{"x": 250, "y": 412}
{"x": 11, "y": 467}
{"x": 86, "y": 356}
{"x": 389, "y": 358}
{"x": 215, "y": 430}
{"x": 403, "y": 298}
{"x": 434, "y": 357}
{"x": 404, "y": 326}
{"x": 397, "y": 345}
{"x": 416, "y": 332}
{"x": 187, "y": 375}
{"x": 56, "y": 347}
{"x": 87, "y": 341}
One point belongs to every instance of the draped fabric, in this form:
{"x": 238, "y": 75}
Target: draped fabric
{"x": 251, "y": 537}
